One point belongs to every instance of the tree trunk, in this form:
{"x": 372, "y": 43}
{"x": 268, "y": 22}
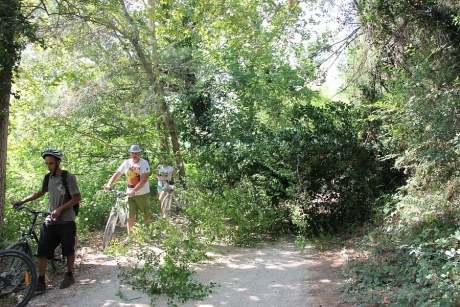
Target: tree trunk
{"x": 162, "y": 107}
{"x": 8, "y": 57}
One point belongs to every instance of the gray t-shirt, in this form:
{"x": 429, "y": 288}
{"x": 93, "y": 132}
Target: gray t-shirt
{"x": 56, "y": 193}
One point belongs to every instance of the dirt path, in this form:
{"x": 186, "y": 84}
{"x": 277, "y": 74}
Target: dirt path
{"x": 273, "y": 274}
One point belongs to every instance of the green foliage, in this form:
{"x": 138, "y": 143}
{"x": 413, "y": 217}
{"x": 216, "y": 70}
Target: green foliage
{"x": 95, "y": 212}
{"x": 413, "y": 85}
{"x": 163, "y": 266}
{"x": 238, "y": 214}
{"x": 16, "y": 221}
{"x": 412, "y": 258}
{"x": 19, "y": 28}
{"x": 408, "y": 100}
{"x": 316, "y": 164}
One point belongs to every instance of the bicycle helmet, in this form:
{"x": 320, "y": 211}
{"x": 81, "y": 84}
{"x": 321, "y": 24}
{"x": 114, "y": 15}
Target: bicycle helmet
{"x": 52, "y": 152}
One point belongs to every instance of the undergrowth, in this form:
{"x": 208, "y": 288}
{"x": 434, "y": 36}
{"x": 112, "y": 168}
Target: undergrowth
{"x": 411, "y": 258}
{"x": 164, "y": 252}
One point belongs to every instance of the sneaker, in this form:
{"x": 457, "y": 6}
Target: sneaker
{"x": 41, "y": 288}
{"x": 68, "y": 280}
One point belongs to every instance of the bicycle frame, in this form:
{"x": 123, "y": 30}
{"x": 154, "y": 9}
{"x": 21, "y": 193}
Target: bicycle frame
{"x": 24, "y": 242}
{"x": 120, "y": 210}
{"x": 118, "y": 217}
{"x": 25, "y": 239}
{"x": 31, "y": 233}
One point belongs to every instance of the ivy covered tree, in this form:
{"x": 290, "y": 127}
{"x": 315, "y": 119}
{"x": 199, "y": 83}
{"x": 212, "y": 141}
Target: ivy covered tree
{"x": 16, "y": 30}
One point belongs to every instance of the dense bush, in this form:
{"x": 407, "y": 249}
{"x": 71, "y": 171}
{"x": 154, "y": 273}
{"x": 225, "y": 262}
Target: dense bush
{"x": 318, "y": 166}
{"x": 411, "y": 258}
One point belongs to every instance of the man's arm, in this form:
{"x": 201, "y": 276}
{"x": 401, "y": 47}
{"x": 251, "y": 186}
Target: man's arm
{"x": 32, "y": 197}
{"x": 75, "y": 199}
{"x": 112, "y": 181}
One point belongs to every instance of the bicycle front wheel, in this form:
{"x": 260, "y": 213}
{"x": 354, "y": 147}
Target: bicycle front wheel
{"x": 109, "y": 229}
{"x": 166, "y": 206}
{"x": 18, "y": 278}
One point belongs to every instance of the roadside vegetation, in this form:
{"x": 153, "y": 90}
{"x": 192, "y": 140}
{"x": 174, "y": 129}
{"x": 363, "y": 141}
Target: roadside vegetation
{"x": 225, "y": 92}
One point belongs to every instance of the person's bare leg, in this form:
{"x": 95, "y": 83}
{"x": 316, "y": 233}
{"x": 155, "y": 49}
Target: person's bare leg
{"x": 42, "y": 264}
{"x": 68, "y": 278}
{"x": 159, "y": 196}
{"x": 70, "y": 263}
{"x": 131, "y": 221}
{"x": 162, "y": 196}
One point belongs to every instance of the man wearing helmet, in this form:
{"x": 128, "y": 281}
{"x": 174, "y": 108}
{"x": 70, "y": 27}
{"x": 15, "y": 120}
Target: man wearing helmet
{"x": 59, "y": 227}
{"x": 137, "y": 171}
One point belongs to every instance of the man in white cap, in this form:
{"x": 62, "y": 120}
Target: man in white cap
{"x": 137, "y": 171}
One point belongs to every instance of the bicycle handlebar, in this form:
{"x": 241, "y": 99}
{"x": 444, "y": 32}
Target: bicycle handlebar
{"x": 118, "y": 193}
{"x": 33, "y": 211}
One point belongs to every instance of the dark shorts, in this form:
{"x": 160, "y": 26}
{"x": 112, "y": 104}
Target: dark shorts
{"x": 54, "y": 234}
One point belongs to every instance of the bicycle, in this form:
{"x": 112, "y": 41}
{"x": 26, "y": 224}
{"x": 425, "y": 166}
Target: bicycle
{"x": 118, "y": 217}
{"x": 25, "y": 240}
{"x": 18, "y": 278}
{"x": 169, "y": 200}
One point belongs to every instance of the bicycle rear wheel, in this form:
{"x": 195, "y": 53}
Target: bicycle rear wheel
{"x": 58, "y": 262}
{"x": 176, "y": 205}
{"x": 18, "y": 278}
{"x": 109, "y": 229}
